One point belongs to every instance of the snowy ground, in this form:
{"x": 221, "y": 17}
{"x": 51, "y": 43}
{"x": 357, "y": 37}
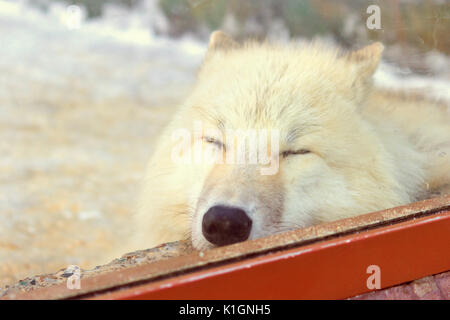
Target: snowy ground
{"x": 79, "y": 111}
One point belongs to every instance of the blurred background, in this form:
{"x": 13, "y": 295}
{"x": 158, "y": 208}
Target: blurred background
{"x": 86, "y": 85}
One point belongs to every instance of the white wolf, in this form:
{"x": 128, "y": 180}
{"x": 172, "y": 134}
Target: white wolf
{"x": 344, "y": 148}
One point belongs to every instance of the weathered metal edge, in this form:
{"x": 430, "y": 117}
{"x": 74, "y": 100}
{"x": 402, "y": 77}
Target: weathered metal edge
{"x": 403, "y": 252}
{"x": 195, "y": 261}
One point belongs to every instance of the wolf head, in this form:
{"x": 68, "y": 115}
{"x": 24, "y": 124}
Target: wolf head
{"x": 323, "y": 161}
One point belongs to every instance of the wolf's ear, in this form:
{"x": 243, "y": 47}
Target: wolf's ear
{"x": 366, "y": 59}
{"x": 219, "y": 40}
{"x": 363, "y": 62}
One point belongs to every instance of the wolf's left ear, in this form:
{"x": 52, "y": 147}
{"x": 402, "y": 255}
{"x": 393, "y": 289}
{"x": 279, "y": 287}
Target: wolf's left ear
{"x": 366, "y": 59}
{"x": 219, "y": 40}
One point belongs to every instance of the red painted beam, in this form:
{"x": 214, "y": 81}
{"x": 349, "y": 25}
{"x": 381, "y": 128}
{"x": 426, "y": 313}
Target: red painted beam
{"x": 330, "y": 269}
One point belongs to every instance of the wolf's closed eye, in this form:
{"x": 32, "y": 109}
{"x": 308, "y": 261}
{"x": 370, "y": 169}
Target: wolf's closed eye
{"x": 214, "y": 141}
{"x": 286, "y": 153}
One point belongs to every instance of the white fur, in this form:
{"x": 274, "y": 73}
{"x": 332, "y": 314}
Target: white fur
{"x": 370, "y": 150}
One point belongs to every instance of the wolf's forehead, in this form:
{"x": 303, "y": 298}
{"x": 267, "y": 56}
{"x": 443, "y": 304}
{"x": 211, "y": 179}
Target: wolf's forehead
{"x": 264, "y": 89}
{"x": 289, "y": 127}
{"x": 256, "y": 110}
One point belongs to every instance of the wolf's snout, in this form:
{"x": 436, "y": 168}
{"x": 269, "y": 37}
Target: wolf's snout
{"x": 226, "y": 225}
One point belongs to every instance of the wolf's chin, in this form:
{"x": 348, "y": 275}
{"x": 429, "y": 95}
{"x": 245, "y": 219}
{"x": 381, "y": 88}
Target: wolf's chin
{"x": 201, "y": 244}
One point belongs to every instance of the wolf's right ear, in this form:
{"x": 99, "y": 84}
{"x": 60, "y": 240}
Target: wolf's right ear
{"x": 367, "y": 59}
{"x": 219, "y": 40}
{"x": 364, "y": 63}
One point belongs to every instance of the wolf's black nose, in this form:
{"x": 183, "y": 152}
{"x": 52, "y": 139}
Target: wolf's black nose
{"x": 226, "y": 225}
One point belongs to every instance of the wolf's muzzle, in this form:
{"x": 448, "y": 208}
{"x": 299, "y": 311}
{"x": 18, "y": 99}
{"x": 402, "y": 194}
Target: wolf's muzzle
{"x": 223, "y": 225}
